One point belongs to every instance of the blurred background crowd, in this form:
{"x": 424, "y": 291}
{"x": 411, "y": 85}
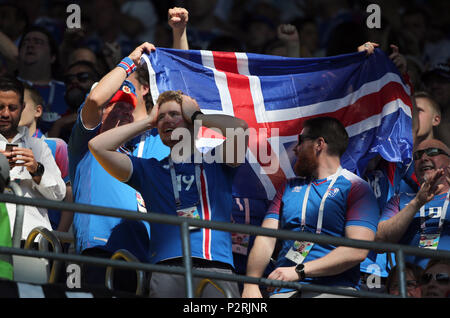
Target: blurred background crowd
{"x": 113, "y": 28}
{"x": 62, "y": 63}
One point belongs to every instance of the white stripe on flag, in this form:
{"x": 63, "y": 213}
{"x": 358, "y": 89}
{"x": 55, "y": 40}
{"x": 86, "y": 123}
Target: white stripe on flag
{"x": 255, "y": 85}
{"x": 259, "y": 171}
{"x": 151, "y": 79}
{"x": 330, "y": 105}
{"x": 282, "y": 153}
{"x": 375, "y": 120}
{"x": 222, "y": 85}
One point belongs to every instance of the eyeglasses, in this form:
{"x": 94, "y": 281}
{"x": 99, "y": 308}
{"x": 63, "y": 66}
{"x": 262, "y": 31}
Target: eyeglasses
{"x": 302, "y": 138}
{"x": 82, "y": 77}
{"x": 431, "y": 152}
{"x": 441, "y": 278}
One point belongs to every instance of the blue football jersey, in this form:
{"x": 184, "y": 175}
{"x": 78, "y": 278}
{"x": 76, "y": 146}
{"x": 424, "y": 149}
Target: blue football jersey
{"x": 433, "y": 211}
{"x": 351, "y": 202}
{"x": 152, "y": 178}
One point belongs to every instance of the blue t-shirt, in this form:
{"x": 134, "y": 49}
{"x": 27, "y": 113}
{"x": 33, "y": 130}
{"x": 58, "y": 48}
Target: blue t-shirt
{"x": 151, "y": 177}
{"x": 93, "y": 185}
{"x": 433, "y": 212}
{"x": 350, "y": 203}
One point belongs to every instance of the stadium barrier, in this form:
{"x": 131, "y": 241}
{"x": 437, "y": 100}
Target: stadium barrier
{"x": 189, "y": 272}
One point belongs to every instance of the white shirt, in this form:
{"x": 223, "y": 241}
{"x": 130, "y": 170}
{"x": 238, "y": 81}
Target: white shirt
{"x": 51, "y": 187}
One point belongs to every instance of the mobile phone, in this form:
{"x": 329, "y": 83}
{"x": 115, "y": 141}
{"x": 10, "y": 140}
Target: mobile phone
{"x": 9, "y": 147}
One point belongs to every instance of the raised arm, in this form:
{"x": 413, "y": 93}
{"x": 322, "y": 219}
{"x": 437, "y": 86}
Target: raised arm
{"x": 103, "y": 147}
{"x": 233, "y": 128}
{"x": 289, "y": 35}
{"x": 9, "y": 51}
{"x": 100, "y": 95}
{"x": 178, "y": 19}
{"x": 393, "y": 229}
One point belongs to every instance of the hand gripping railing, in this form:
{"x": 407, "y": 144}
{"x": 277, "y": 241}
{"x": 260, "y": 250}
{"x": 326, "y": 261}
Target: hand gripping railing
{"x": 56, "y": 246}
{"x": 204, "y": 282}
{"x": 127, "y": 256}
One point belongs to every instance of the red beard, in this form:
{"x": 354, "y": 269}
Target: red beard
{"x": 306, "y": 164}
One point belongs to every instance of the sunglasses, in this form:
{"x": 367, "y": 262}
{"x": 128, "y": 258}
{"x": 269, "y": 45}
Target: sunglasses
{"x": 81, "y": 77}
{"x": 431, "y": 152}
{"x": 302, "y": 138}
{"x": 441, "y": 278}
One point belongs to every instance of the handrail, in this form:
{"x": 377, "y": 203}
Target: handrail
{"x": 56, "y": 245}
{"x": 178, "y": 270}
{"x": 127, "y": 256}
{"x": 223, "y": 226}
{"x": 204, "y": 282}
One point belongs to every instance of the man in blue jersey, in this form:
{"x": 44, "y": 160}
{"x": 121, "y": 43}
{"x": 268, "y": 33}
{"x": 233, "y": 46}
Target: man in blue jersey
{"x": 181, "y": 184}
{"x": 421, "y": 219}
{"x": 323, "y": 199}
{"x": 117, "y": 99}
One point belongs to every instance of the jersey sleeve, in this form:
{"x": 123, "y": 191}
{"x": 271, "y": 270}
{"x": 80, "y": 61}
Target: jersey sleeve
{"x": 141, "y": 174}
{"x": 391, "y": 208}
{"x": 362, "y": 206}
{"x": 62, "y": 159}
{"x": 275, "y": 207}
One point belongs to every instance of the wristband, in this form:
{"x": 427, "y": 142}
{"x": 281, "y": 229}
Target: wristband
{"x": 128, "y": 65}
{"x": 194, "y": 115}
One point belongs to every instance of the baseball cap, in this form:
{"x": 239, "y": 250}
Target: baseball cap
{"x": 126, "y": 93}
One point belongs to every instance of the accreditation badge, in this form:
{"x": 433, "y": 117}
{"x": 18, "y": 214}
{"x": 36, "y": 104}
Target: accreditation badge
{"x": 190, "y": 212}
{"x": 430, "y": 241}
{"x": 299, "y": 251}
{"x": 240, "y": 243}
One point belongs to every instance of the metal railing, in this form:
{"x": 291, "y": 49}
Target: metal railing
{"x": 189, "y": 272}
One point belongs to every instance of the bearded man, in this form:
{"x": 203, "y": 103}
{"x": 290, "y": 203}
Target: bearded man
{"x": 323, "y": 199}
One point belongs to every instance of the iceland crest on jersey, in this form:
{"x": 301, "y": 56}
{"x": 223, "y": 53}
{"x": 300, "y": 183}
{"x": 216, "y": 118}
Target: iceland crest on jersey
{"x": 275, "y": 95}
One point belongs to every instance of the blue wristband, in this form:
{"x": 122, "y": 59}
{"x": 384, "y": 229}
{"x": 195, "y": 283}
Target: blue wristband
{"x": 128, "y": 65}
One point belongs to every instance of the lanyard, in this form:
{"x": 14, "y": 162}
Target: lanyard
{"x": 442, "y": 218}
{"x": 322, "y": 202}
{"x": 173, "y": 176}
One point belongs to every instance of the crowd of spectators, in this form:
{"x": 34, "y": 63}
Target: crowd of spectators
{"x": 61, "y": 64}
